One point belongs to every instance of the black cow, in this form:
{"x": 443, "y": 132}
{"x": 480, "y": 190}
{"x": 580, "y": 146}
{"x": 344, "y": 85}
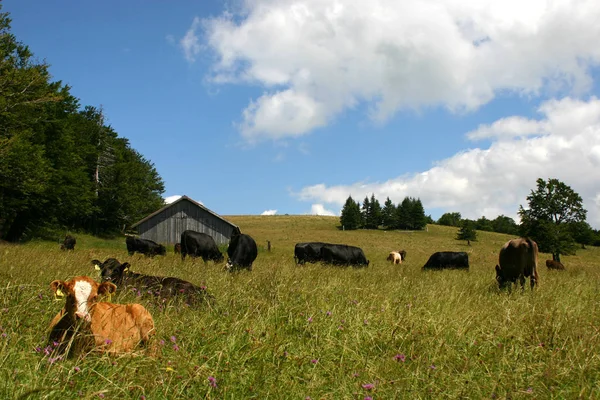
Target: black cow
{"x": 341, "y": 254}
{"x": 242, "y": 252}
{"x": 198, "y": 244}
{"x": 144, "y": 246}
{"x": 68, "y": 243}
{"x": 309, "y": 251}
{"x": 448, "y": 259}
{"x": 112, "y": 270}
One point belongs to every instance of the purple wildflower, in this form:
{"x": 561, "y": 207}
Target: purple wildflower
{"x": 328, "y": 313}
{"x": 38, "y": 349}
{"x": 400, "y": 357}
{"x": 368, "y": 398}
{"x": 175, "y": 347}
{"x": 365, "y": 322}
{"x": 101, "y": 395}
{"x": 368, "y": 386}
{"x": 529, "y": 390}
{"x": 162, "y": 342}
{"x": 52, "y": 360}
{"x": 212, "y": 381}
{"x": 432, "y": 366}
{"x": 314, "y": 360}
{"x": 55, "y": 344}
{"x": 40, "y": 296}
{"x": 107, "y": 341}
{"x": 142, "y": 397}
{"x": 173, "y": 339}
{"x": 309, "y": 319}
{"x": 77, "y": 369}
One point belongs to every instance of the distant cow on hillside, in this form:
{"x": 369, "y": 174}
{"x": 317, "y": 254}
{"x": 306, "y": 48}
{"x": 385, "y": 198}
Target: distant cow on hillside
{"x": 144, "y": 246}
{"x": 68, "y": 243}
{"x": 394, "y": 257}
{"x": 517, "y": 260}
{"x": 308, "y": 252}
{"x": 448, "y": 260}
{"x": 341, "y": 254}
{"x": 242, "y": 251}
{"x": 551, "y": 264}
{"x": 198, "y": 244}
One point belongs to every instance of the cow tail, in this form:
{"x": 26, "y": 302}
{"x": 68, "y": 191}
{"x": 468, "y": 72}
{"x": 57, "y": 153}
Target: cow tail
{"x": 532, "y": 259}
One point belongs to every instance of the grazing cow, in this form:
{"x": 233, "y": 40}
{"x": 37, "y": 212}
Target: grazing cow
{"x": 242, "y": 252}
{"x": 68, "y": 243}
{"x": 309, "y": 251}
{"x": 448, "y": 259}
{"x": 517, "y": 260}
{"x": 198, "y": 244}
{"x": 341, "y": 254}
{"x": 394, "y": 257}
{"x": 144, "y": 246}
{"x": 111, "y": 270}
{"x": 177, "y": 248}
{"x": 551, "y": 264}
{"x": 403, "y": 254}
{"x": 114, "y": 327}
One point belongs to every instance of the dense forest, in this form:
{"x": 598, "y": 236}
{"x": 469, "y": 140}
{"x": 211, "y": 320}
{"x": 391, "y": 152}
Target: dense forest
{"x": 62, "y": 168}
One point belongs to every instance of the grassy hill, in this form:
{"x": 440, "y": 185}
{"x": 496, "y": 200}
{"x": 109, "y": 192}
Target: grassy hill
{"x": 287, "y": 331}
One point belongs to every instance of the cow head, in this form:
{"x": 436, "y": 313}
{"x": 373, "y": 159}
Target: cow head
{"x": 111, "y": 270}
{"x": 500, "y": 277}
{"x": 81, "y": 293}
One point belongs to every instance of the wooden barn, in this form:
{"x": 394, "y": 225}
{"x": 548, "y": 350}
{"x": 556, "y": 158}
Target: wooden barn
{"x": 166, "y": 225}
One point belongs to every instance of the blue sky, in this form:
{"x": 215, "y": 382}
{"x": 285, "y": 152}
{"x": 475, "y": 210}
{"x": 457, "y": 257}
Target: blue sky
{"x": 262, "y": 105}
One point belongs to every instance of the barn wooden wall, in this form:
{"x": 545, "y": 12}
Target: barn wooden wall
{"x": 166, "y": 227}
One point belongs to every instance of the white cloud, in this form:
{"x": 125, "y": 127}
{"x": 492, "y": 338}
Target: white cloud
{"x": 171, "y": 199}
{"x": 319, "y": 209}
{"x": 269, "y": 212}
{"x": 497, "y": 180}
{"x": 190, "y": 43}
{"x": 317, "y": 58}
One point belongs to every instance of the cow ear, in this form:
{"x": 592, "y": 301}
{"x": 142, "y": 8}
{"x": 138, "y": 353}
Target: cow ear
{"x": 58, "y": 288}
{"x": 125, "y": 267}
{"x": 107, "y": 288}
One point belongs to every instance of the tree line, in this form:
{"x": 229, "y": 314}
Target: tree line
{"x": 408, "y": 215}
{"x": 62, "y": 167}
{"x": 554, "y": 218}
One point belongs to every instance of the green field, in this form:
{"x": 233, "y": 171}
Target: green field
{"x": 290, "y": 332}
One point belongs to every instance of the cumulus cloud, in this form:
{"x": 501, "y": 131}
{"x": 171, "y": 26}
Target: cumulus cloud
{"x": 497, "y": 180}
{"x": 171, "y": 199}
{"x": 316, "y": 59}
{"x": 319, "y": 209}
{"x": 269, "y": 212}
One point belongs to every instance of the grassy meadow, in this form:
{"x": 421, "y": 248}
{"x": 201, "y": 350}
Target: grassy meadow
{"x": 294, "y": 332}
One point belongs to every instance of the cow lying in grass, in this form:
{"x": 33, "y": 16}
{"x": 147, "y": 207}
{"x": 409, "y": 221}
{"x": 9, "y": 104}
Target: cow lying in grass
{"x": 84, "y": 323}
{"x": 553, "y": 264}
{"x": 112, "y": 270}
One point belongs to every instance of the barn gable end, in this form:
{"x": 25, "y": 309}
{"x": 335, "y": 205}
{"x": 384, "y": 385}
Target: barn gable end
{"x": 167, "y": 224}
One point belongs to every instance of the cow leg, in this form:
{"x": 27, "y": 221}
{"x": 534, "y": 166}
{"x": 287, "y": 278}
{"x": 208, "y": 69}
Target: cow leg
{"x": 522, "y": 281}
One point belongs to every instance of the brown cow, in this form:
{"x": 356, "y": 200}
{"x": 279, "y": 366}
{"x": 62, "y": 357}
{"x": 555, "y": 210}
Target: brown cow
{"x": 517, "y": 260}
{"x": 551, "y": 264}
{"x": 394, "y": 257}
{"x": 113, "y": 327}
{"x": 177, "y": 248}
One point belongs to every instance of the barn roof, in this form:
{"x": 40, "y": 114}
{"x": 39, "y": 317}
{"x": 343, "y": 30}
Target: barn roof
{"x": 177, "y": 201}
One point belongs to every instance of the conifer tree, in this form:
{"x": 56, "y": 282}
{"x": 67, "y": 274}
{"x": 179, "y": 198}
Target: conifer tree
{"x": 388, "y": 214}
{"x": 373, "y": 214}
{"x": 417, "y": 215}
{"x": 467, "y": 231}
{"x": 351, "y": 218}
{"x": 366, "y": 207}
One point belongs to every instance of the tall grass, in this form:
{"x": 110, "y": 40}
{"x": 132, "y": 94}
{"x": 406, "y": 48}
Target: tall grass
{"x": 287, "y": 331}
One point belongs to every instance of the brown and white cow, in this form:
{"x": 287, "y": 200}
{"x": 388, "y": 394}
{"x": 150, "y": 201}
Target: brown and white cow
{"x": 84, "y": 322}
{"x": 394, "y": 257}
{"x": 551, "y": 264}
{"x": 517, "y": 260}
